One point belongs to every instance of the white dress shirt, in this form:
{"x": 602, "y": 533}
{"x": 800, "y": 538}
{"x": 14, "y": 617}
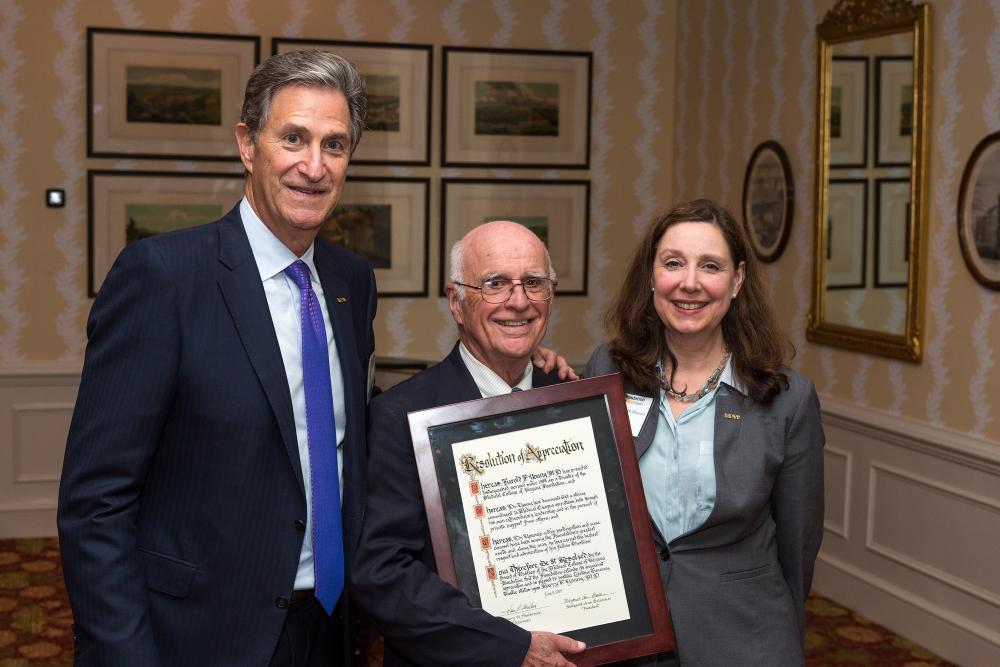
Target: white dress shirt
{"x": 488, "y": 382}
{"x": 283, "y": 299}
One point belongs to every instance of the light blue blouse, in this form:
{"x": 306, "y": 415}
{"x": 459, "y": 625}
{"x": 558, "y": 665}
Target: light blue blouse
{"x": 678, "y": 469}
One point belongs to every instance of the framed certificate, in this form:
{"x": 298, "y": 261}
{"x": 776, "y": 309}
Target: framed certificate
{"x": 536, "y": 512}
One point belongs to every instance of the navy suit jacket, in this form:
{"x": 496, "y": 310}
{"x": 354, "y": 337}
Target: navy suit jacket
{"x": 181, "y": 503}
{"x": 424, "y": 620}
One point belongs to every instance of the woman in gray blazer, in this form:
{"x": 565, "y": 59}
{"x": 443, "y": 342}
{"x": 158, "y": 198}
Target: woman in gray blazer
{"x": 729, "y": 440}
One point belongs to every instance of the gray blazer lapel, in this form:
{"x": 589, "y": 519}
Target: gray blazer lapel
{"x": 645, "y": 436}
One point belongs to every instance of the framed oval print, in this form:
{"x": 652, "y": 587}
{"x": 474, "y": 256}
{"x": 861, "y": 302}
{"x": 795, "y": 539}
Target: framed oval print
{"x": 768, "y": 200}
{"x": 979, "y": 212}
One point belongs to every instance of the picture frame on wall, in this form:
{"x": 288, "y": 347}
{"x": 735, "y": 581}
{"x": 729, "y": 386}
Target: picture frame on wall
{"x": 385, "y": 221}
{"x": 847, "y": 233}
{"x": 126, "y": 206}
{"x": 893, "y": 111}
{"x": 849, "y": 112}
{"x": 979, "y": 212}
{"x": 892, "y": 232}
{"x": 515, "y": 108}
{"x": 768, "y": 200}
{"x": 166, "y": 95}
{"x": 558, "y": 211}
{"x": 398, "y": 81}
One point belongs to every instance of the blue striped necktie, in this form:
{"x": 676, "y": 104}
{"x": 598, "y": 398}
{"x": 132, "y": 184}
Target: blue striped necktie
{"x": 327, "y": 534}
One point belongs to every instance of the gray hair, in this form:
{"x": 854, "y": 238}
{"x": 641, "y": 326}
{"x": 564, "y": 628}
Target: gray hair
{"x": 314, "y": 68}
{"x": 457, "y": 264}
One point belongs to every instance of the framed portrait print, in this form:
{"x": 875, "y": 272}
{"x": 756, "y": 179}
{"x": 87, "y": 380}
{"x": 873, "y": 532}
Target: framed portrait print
{"x": 849, "y": 111}
{"x": 557, "y": 211}
{"x": 847, "y": 233}
{"x": 154, "y": 94}
{"x": 126, "y": 206}
{"x": 398, "y": 81}
{"x": 535, "y": 510}
{"x": 893, "y": 111}
{"x": 768, "y": 200}
{"x": 892, "y": 227}
{"x": 385, "y": 220}
{"x": 979, "y": 212}
{"x": 515, "y": 108}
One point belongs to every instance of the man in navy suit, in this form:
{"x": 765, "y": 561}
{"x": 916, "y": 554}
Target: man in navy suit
{"x": 188, "y": 504}
{"x": 500, "y": 295}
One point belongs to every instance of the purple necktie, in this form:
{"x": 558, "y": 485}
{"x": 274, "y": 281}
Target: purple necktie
{"x": 327, "y": 535}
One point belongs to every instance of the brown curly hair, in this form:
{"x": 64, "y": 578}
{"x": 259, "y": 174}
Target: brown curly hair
{"x": 750, "y": 330}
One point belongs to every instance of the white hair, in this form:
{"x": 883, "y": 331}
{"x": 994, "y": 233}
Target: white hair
{"x": 457, "y": 257}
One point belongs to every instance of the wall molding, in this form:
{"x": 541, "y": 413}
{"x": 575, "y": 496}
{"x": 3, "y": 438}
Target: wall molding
{"x": 935, "y": 573}
{"x": 15, "y": 374}
{"x": 843, "y": 530}
{"x": 962, "y": 448}
{"x": 923, "y": 604}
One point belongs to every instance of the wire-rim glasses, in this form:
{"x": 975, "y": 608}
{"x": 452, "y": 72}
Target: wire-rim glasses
{"x": 498, "y": 290}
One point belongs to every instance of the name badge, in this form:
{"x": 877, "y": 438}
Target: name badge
{"x": 638, "y": 407}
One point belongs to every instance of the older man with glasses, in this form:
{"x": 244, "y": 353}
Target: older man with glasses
{"x": 500, "y": 295}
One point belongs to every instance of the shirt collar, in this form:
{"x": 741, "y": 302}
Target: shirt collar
{"x": 487, "y": 381}
{"x": 730, "y": 379}
{"x": 272, "y": 256}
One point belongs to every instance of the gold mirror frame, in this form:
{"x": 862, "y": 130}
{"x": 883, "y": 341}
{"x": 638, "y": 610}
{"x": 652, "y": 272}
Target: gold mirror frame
{"x": 847, "y": 21}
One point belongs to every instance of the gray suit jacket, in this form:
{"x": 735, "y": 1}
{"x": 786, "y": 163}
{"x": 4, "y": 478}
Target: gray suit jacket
{"x": 737, "y": 584}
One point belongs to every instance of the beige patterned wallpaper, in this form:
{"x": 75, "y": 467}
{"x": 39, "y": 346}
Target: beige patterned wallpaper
{"x": 43, "y": 265}
{"x": 759, "y": 56}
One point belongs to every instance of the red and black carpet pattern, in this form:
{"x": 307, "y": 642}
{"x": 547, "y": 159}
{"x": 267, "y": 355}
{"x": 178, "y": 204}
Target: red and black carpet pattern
{"x": 35, "y": 621}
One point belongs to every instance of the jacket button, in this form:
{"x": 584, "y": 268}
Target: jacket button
{"x": 281, "y": 602}
{"x": 664, "y": 554}
{"x": 300, "y": 525}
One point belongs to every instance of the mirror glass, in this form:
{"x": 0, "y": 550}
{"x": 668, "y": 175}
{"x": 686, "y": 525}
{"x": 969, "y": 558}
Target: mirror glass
{"x": 868, "y": 204}
{"x": 870, "y": 187}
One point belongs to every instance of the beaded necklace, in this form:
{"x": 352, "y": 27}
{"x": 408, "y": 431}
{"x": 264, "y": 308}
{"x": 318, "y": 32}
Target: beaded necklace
{"x": 711, "y": 383}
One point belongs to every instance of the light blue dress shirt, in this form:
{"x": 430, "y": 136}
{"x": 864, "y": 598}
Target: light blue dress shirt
{"x": 283, "y": 299}
{"x": 678, "y": 469}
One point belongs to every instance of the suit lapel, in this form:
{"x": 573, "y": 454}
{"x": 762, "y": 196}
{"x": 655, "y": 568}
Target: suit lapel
{"x": 338, "y": 304}
{"x": 456, "y": 383}
{"x": 243, "y": 293}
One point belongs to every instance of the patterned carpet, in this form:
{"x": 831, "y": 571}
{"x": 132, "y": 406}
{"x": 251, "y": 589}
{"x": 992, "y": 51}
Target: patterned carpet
{"x": 35, "y": 621}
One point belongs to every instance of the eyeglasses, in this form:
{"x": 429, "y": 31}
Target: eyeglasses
{"x": 498, "y": 290}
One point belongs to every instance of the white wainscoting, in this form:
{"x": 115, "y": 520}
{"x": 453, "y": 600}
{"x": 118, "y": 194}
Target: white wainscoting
{"x": 36, "y": 404}
{"x": 912, "y": 530}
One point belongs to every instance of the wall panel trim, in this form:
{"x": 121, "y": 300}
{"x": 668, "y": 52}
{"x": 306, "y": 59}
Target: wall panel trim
{"x": 844, "y": 529}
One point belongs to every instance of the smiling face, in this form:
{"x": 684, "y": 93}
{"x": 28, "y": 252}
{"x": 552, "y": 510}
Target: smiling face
{"x": 298, "y": 164}
{"x": 694, "y": 280}
{"x": 501, "y": 335}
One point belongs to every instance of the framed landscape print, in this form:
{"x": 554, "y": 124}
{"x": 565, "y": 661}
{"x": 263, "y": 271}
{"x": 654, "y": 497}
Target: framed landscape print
{"x": 849, "y": 111}
{"x": 385, "y": 221}
{"x": 153, "y": 94}
{"x": 557, "y": 211}
{"x": 893, "y": 111}
{"x": 847, "y": 233}
{"x": 768, "y": 200}
{"x": 515, "y": 108}
{"x": 892, "y": 238}
{"x": 126, "y": 206}
{"x": 398, "y": 80}
{"x": 979, "y": 212}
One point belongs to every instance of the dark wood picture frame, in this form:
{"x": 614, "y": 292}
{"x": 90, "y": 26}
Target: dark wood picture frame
{"x": 411, "y": 236}
{"x": 979, "y": 229}
{"x": 569, "y": 250}
{"x": 778, "y": 191}
{"x": 107, "y": 234}
{"x": 536, "y": 150}
{"x": 602, "y": 398}
{"x": 863, "y": 233}
{"x": 889, "y": 115}
{"x": 110, "y": 133}
{"x": 858, "y": 118}
{"x": 417, "y": 152}
{"x": 883, "y": 236}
